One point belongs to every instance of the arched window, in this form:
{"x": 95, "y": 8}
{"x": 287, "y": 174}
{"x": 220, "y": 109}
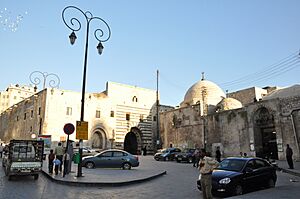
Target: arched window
{"x": 135, "y": 99}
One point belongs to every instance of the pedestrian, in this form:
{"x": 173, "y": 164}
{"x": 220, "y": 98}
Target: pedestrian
{"x": 59, "y": 152}
{"x": 206, "y": 167}
{"x": 51, "y": 157}
{"x": 145, "y": 150}
{"x": 1, "y": 149}
{"x": 241, "y": 153}
{"x": 57, "y": 164}
{"x": 70, "y": 151}
{"x": 218, "y": 154}
{"x": 289, "y": 156}
{"x": 66, "y": 160}
{"x": 196, "y": 157}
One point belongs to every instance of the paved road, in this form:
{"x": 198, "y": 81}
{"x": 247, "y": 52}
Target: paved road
{"x": 179, "y": 183}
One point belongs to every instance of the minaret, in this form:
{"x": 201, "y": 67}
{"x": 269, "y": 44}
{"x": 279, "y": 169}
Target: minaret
{"x": 202, "y": 76}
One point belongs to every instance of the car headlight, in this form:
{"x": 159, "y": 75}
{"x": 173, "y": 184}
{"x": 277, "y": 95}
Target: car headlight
{"x": 225, "y": 181}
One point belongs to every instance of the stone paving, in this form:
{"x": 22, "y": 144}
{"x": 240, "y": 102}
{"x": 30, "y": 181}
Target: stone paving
{"x": 108, "y": 177}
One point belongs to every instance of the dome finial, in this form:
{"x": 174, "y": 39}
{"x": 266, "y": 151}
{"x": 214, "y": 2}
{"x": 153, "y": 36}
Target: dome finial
{"x": 202, "y": 76}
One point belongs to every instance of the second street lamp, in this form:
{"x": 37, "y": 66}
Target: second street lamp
{"x": 72, "y": 26}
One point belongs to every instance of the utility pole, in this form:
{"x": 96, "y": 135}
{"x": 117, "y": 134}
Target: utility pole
{"x": 157, "y": 113}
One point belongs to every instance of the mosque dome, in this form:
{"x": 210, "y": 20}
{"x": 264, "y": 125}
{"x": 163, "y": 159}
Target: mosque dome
{"x": 291, "y": 91}
{"x": 228, "y": 104}
{"x": 204, "y": 92}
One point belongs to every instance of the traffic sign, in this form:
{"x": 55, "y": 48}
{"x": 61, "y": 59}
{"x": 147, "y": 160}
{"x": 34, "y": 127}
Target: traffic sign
{"x": 69, "y": 128}
{"x": 82, "y": 130}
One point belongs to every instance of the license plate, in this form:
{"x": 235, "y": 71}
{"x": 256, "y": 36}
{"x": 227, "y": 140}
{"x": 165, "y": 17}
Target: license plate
{"x": 179, "y": 158}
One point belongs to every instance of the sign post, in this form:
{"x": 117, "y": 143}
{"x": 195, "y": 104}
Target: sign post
{"x": 69, "y": 128}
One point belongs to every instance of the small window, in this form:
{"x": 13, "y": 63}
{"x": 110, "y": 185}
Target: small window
{"x": 24, "y": 116}
{"x": 98, "y": 113}
{"x": 135, "y": 99}
{"x": 118, "y": 154}
{"x": 39, "y": 110}
{"x": 31, "y": 113}
{"x": 106, "y": 154}
{"x": 17, "y": 118}
{"x": 112, "y": 114}
{"x": 15, "y": 97}
{"x": 31, "y": 129}
{"x": 69, "y": 111}
{"x": 127, "y": 116}
{"x": 154, "y": 118}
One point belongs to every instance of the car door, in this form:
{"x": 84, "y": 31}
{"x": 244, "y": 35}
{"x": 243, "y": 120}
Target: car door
{"x": 250, "y": 174}
{"x": 104, "y": 159}
{"x": 263, "y": 172}
{"x": 118, "y": 159}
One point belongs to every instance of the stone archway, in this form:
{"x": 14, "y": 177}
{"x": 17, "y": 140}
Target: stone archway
{"x": 132, "y": 141}
{"x": 265, "y": 134}
{"x": 98, "y": 139}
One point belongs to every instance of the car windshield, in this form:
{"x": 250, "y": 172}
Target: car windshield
{"x": 232, "y": 164}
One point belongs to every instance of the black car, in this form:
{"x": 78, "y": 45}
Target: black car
{"x": 236, "y": 175}
{"x": 185, "y": 156}
{"x": 166, "y": 154}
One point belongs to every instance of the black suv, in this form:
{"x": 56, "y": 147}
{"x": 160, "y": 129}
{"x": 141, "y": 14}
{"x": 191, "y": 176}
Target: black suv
{"x": 166, "y": 154}
{"x": 185, "y": 156}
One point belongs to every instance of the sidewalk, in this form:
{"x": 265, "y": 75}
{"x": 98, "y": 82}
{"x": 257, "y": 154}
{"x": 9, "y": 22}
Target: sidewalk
{"x": 283, "y": 166}
{"x": 108, "y": 177}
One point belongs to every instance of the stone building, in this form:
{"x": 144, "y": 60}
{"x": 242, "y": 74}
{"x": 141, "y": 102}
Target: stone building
{"x": 256, "y": 121}
{"x": 119, "y": 117}
{"x": 14, "y": 94}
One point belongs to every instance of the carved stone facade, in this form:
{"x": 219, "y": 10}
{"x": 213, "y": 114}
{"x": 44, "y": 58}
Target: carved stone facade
{"x": 259, "y": 128}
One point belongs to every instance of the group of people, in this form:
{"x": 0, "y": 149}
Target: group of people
{"x": 60, "y": 159}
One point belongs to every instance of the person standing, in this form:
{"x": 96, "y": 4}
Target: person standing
{"x": 70, "y": 152}
{"x": 59, "y": 152}
{"x": 289, "y": 156}
{"x": 1, "y": 149}
{"x": 57, "y": 164}
{"x": 51, "y": 157}
{"x": 218, "y": 154}
{"x": 66, "y": 160}
{"x": 196, "y": 158}
{"x": 206, "y": 167}
{"x": 145, "y": 150}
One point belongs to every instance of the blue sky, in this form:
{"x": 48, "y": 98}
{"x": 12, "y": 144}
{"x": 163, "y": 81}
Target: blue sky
{"x": 228, "y": 40}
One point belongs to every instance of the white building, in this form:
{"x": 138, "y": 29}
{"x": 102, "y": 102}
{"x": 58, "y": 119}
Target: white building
{"x": 121, "y": 116}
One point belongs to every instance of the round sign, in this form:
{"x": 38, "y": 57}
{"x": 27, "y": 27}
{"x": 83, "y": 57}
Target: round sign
{"x": 69, "y": 128}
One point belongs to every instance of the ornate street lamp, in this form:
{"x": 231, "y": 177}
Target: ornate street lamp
{"x": 98, "y": 33}
{"x": 35, "y": 78}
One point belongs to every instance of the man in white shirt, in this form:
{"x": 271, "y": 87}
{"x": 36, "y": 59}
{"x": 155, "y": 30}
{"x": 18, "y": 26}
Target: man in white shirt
{"x": 206, "y": 166}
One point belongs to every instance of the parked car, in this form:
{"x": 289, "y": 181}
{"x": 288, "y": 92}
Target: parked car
{"x": 236, "y": 175}
{"x": 167, "y": 154}
{"x": 185, "y": 156}
{"x": 86, "y": 151}
{"x": 112, "y": 158}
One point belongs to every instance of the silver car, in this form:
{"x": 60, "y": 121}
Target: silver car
{"x": 112, "y": 158}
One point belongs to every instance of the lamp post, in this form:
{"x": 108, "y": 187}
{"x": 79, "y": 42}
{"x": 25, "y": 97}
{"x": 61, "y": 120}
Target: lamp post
{"x": 98, "y": 33}
{"x": 36, "y": 80}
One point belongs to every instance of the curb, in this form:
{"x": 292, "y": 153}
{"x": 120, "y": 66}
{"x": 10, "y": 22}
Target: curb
{"x": 289, "y": 172}
{"x": 102, "y": 184}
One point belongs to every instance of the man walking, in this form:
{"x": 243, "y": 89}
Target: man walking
{"x": 59, "y": 152}
{"x": 289, "y": 156}
{"x": 206, "y": 166}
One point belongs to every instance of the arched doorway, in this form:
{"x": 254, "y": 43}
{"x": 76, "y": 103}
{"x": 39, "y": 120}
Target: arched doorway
{"x": 265, "y": 134}
{"x": 132, "y": 141}
{"x": 98, "y": 139}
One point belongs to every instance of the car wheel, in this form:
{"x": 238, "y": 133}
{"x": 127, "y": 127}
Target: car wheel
{"x": 190, "y": 160}
{"x": 271, "y": 183}
{"x": 157, "y": 159}
{"x": 178, "y": 160}
{"x": 126, "y": 165}
{"x": 238, "y": 190}
{"x": 166, "y": 159}
{"x": 90, "y": 165}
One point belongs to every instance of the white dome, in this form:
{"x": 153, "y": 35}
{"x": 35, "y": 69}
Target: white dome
{"x": 228, "y": 104}
{"x": 204, "y": 92}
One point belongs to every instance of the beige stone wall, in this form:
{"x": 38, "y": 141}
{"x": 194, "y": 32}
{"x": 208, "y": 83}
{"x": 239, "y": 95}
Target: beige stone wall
{"x": 50, "y": 114}
{"x": 247, "y": 96}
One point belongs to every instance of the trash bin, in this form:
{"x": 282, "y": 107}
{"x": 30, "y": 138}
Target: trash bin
{"x": 76, "y": 158}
